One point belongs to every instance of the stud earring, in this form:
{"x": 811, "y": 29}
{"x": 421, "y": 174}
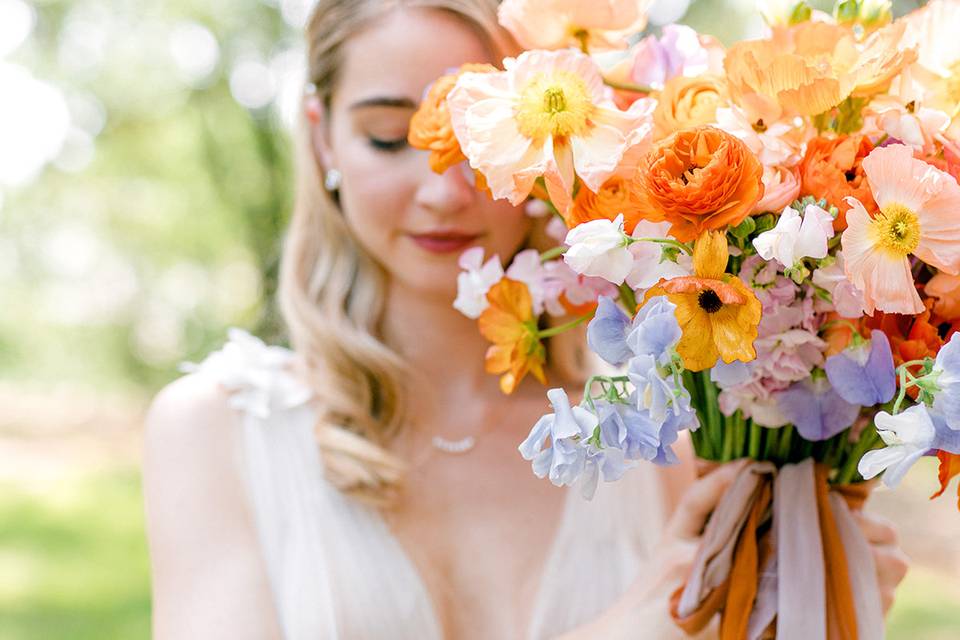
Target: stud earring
{"x": 331, "y": 181}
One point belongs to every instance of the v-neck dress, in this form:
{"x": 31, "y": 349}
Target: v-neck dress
{"x": 336, "y": 571}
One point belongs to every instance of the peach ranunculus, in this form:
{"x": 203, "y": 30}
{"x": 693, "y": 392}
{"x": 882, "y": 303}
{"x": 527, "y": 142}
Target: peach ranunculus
{"x": 548, "y": 116}
{"x": 945, "y": 288}
{"x": 430, "y": 127}
{"x": 918, "y": 216}
{"x": 810, "y": 67}
{"x": 781, "y": 186}
{"x": 558, "y": 24}
{"x": 699, "y": 179}
{"x": 831, "y": 169}
{"x": 687, "y": 102}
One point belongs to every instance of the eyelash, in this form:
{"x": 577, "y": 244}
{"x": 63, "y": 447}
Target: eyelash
{"x": 389, "y": 146}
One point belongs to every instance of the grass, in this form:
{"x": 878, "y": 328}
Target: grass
{"x": 74, "y": 560}
{"x": 75, "y": 567}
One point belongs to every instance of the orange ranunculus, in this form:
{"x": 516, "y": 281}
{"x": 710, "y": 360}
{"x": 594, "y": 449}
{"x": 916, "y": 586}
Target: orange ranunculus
{"x": 949, "y": 468}
{"x": 945, "y": 288}
{"x": 808, "y": 68}
{"x": 430, "y": 127}
{"x": 699, "y": 179}
{"x": 717, "y": 313}
{"x": 613, "y": 199}
{"x": 509, "y": 323}
{"x": 831, "y": 169}
{"x": 687, "y": 102}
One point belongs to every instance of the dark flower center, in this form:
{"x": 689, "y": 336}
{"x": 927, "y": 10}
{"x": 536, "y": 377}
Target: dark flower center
{"x": 709, "y": 301}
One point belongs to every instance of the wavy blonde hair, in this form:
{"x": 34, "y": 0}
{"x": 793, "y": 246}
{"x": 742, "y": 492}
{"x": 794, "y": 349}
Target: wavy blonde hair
{"x": 331, "y": 291}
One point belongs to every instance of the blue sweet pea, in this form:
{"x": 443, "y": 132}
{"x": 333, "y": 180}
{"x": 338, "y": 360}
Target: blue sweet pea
{"x": 655, "y": 329}
{"x": 655, "y": 393}
{"x": 566, "y": 427}
{"x": 864, "y": 375}
{"x": 946, "y": 402}
{"x": 816, "y": 409}
{"x": 607, "y": 332}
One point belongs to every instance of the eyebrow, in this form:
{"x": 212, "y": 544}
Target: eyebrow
{"x": 384, "y": 101}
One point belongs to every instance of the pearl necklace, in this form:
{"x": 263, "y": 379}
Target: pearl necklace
{"x": 453, "y": 447}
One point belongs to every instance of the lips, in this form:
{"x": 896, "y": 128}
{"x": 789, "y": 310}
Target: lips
{"x": 444, "y": 241}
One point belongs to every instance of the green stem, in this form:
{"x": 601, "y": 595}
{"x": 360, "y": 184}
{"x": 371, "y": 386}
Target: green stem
{"x": 628, "y": 297}
{"x": 868, "y": 440}
{"x": 667, "y": 241}
{"x": 626, "y": 86}
{"x": 550, "y": 254}
{"x": 554, "y": 331}
{"x": 753, "y": 450}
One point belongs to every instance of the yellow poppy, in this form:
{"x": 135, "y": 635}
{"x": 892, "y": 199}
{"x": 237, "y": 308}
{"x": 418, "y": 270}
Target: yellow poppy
{"x": 509, "y": 323}
{"x": 717, "y": 312}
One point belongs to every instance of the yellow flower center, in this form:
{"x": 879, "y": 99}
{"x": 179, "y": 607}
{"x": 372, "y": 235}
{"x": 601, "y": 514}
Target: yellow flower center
{"x": 897, "y": 230}
{"x": 555, "y": 105}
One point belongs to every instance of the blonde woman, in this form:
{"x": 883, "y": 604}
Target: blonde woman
{"x": 367, "y": 484}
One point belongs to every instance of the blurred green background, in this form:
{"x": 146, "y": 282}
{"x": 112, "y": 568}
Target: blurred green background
{"x": 144, "y": 184}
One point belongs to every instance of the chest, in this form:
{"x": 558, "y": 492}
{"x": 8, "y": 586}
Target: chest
{"x": 479, "y": 529}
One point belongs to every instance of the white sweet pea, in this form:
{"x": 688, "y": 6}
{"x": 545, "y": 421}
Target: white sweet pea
{"x": 599, "y": 248}
{"x": 794, "y": 237}
{"x": 648, "y": 268}
{"x": 908, "y": 436}
{"x": 474, "y": 282}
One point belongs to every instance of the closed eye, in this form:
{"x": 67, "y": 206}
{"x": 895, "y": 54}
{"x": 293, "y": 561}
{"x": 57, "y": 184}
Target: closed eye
{"x": 390, "y": 146}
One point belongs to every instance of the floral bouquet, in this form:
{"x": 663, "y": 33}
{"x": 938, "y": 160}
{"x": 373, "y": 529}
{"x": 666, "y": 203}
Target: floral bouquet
{"x": 765, "y": 242}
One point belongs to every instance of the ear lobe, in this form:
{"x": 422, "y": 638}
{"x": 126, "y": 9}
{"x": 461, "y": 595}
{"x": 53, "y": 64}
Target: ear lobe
{"x": 317, "y": 124}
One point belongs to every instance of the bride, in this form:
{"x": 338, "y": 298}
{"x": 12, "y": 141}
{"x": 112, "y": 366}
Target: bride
{"x": 367, "y": 484}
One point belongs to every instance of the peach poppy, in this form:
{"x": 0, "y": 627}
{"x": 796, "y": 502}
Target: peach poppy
{"x": 932, "y": 29}
{"x": 510, "y": 324}
{"x": 918, "y": 216}
{"x": 717, "y": 313}
{"x": 548, "y": 115}
{"x": 558, "y": 24}
{"x": 832, "y": 169}
{"x": 810, "y": 67}
{"x": 699, "y": 179}
{"x": 430, "y": 127}
{"x": 945, "y": 289}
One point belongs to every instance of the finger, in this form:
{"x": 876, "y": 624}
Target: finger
{"x": 876, "y": 530}
{"x": 701, "y": 499}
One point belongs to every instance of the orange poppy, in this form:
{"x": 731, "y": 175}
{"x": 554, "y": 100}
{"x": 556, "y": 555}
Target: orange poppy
{"x": 949, "y": 468}
{"x": 510, "y": 324}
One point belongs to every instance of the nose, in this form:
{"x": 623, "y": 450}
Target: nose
{"x": 448, "y": 192}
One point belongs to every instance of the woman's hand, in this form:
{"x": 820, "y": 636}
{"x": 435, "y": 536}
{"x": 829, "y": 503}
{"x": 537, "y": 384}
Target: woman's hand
{"x": 891, "y": 561}
{"x": 645, "y": 605}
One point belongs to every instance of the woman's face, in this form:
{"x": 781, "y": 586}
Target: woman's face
{"x": 414, "y": 222}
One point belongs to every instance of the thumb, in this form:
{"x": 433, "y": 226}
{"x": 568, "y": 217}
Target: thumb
{"x": 701, "y": 499}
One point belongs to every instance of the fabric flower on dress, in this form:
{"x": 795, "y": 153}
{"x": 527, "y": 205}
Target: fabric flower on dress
{"x": 258, "y": 375}
{"x": 599, "y": 248}
{"x": 918, "y": 216}
{"x": 475, "y": 281}
{"x": 547, "y": 115}
{"x": 816, "y": 409}
{"x": 699, "y": 179}
{"x": 557, "y": 24}
{"x": 510, "y": 324}
{"x": 795, "y": 238}
{"x": 864, "y": 374}
{"x": 717, "y": 312}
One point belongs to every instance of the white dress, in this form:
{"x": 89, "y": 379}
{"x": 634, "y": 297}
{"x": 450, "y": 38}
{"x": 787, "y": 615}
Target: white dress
{"x": 335, "y": 568}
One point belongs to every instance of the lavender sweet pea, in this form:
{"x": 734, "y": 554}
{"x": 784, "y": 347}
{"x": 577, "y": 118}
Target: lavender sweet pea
{"x": 947, "y": 369}
{"x": 564, "y": 459}
{"x": 655, "y": 329}
{"x": 816, "y": 409}
{"x": 607, "y": 332}
{"x": 864, "y": 374}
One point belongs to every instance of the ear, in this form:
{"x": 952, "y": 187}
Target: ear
{"x": 318, "y": 122}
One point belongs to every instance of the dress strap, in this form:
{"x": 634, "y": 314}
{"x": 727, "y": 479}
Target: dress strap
{"x": 257, "y": 376}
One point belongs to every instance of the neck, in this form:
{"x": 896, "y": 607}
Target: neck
{"x": 443, "y": 348}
